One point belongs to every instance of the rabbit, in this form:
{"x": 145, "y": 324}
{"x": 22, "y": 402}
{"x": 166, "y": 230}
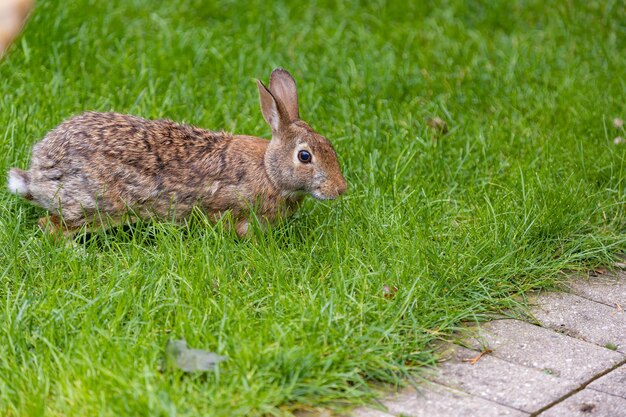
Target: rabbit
{"x": 113, "y": 166}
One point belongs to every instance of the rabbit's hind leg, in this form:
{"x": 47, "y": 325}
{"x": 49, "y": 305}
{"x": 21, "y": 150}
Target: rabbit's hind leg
{"x": 54, "y": 225}
{"x": 50, "y": 224}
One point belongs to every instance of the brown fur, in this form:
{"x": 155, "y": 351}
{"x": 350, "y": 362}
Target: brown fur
{"x": 99, "y": 166}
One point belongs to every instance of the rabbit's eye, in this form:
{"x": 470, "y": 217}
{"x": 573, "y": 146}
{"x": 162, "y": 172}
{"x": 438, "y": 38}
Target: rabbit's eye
{"x": 304, "y": 157}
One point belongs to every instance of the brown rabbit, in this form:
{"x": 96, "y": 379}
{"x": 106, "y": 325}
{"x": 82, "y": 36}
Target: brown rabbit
{"x": 100, "y": 166}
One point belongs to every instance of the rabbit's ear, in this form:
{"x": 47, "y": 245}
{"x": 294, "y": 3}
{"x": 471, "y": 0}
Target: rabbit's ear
{"x": 283, "y": 87}
{"x": 273, "y": 110}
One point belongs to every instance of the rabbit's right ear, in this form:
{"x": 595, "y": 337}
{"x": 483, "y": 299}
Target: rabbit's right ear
{"x": 272, "y": 109}
{"x": 283, "y": 87}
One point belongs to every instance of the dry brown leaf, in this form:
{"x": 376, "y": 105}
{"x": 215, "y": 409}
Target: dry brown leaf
{"x": 438, "y": 124}
{"x": 389, "y": 292}
{"x": 598, "y": 271}
{"x": 476, "y": 358}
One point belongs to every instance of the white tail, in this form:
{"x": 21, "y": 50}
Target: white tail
{"x": 18, "y": 182}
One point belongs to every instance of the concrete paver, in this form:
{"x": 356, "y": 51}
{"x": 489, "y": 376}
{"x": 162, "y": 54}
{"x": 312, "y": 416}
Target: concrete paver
{"x": 588, "y": 403}
{"x": 609, "y": 289}
{"x": 434, "y": 400}
{"x": 583, "y": 319}
{"x": 582, "y": 335}
{"x": 612, "y": 383}
{"x": 543, "y": 349}
{"x": 505, "y": 383}
{"x": 369, "y": 412}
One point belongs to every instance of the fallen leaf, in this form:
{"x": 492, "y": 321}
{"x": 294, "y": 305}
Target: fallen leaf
{"x": 476, "y": 358}
{"x": 389, "y": 292}
{"x": 598, "y": 271}
{"x": 438, "y": 124}
{"x": 179, "y": 356}
{"x": 618, "y": 123}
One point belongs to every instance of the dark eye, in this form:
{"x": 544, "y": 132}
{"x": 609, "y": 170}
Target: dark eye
{"x": 304, "y": 156}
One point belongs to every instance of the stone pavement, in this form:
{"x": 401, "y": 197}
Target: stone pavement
{"x": 571, "y": 363}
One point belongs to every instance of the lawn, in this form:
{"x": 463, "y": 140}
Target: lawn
{"x": 527, "y": 182}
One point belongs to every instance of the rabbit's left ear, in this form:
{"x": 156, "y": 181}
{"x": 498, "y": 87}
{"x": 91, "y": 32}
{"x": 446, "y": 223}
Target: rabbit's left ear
{"x": 283, "y": 87}
{"x": 272, "y": 108}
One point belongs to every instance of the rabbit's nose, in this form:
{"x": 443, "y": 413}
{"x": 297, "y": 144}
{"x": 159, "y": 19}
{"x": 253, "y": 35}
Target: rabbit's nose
{"x": 342, "y": 188}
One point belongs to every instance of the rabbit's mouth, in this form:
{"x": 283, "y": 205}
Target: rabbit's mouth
{"x": 316, "y": 194}
{"x": 329, "y": 191}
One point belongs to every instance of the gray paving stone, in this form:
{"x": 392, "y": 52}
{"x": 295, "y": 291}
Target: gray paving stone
{"x": 369, "y": 412}
{"x": 609, "y": 289}
{"x": 532, "y": 367}
{"x": 546, "y": 350}
{"x": 506, "y": 383}
{"x": 612, "y": 383}
{"x": 434, "y": 400}
{"x": 581, "y": 318}
{"x": 588, "y": 403}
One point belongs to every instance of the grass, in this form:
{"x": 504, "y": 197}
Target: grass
{"x": 526, "y": 183}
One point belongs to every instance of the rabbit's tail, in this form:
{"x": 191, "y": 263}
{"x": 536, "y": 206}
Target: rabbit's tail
{"x": 19, "y": 182}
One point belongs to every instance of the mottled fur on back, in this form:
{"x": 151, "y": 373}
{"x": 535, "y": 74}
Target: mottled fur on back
{"x": 104, "y": 165}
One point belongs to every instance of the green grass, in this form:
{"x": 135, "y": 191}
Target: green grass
{"x": 527, "y": 183}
